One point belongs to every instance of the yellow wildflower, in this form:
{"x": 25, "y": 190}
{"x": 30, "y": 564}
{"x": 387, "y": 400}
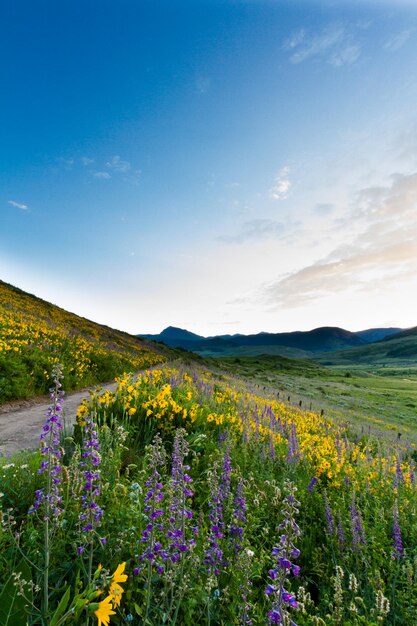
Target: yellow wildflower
{"x": 118, "y": 576}
{"x": 104, "y": 611}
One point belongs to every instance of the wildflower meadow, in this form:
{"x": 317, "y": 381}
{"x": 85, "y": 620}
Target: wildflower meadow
{"x": 34, "y": 335}
{"x": 192, "y": 497}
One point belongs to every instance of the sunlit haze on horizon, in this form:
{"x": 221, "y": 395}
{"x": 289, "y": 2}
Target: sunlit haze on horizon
{"x": 225, "y": 166}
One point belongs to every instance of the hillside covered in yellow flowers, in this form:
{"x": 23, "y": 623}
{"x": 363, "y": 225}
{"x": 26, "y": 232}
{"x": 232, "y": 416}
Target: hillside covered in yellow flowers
{"x": 35, "y": 334}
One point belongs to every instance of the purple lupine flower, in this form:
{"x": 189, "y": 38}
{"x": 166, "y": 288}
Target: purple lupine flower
{"x": 356, "y": 526}
{"x": 398, "y": 550}
{"x": 226, "y": 477}
{"x": 51, "y": 495}
{"x": 223, "y": 437}
{"x": 399, "y": 476}
{"x": 293, "y": 453}
{"x": 219, "y": 494}
{"x": 313, "y": 482}
{"x": 341, "y": 539}
{"x": 238, "y": 518}
{"x": 152, "y": 549}
{"x": 91, "y": 512}
{"x": 330, "y": 528}
{"x": 412, "y": 475}
{"x": 272, "y": 454}
{"x": 180, "y": 513}
{"x": 284, "y": 555}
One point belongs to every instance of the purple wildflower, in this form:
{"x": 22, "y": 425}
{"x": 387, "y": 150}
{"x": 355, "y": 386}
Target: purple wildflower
{"x": 356, "y": 526}
{"x": 272, "y": 454}
{"x": 153, "y": 552}
{"x": 284, "y": 554}
{"x": 330, "y": 529}
{"x": 341, "y": 534}
{"x": 313, "y": 482}
{"x": 238, "y": 518}
{"x": 399, "y": 476}
{"x": 398, "y": 551}
{"x": 219, "y": 494}
{"x": 180, "y": 513}
{"x": 293, "y": 453}
{"x": 90, "y": 517}
{"x": 51, "y": 496}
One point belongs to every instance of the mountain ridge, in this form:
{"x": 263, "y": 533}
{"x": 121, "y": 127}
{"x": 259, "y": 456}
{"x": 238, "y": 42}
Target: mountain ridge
{"x": 317, "y": 340}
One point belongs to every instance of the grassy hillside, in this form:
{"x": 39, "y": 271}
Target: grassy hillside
{"x": 398, "y": 349}
{"x": 35, "y": 334}
{"x": 383, "y": 399}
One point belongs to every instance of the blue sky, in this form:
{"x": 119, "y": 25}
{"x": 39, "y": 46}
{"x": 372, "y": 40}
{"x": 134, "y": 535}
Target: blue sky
{"x": 224, "y": 166}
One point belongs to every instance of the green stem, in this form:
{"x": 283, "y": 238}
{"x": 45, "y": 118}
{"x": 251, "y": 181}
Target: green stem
{"x": 174, "y": 619}
{"x": 46, "y": 573}
{"x": 148, "y": 586}
{"x": 208, "y": 609}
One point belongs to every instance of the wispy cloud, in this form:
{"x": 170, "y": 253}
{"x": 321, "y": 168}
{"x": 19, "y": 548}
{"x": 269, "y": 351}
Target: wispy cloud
{"x": 324, "y": 208}
{"x": 18, "y": 205}
{"x": 102, "y": 175}
{"x": 282, "y": 184}
{"x": 66, "y": 163}
{"x": 117, "y": 164}
{"x": 114, "y": 167}
{"x": 334, "y": 44}
{"x": 86, "y": 161}
{"x": 202, "y": 84}
{"x": 257, "y": 229}
{"x": 383, "y": 250}
{"x": 397, "y": 41}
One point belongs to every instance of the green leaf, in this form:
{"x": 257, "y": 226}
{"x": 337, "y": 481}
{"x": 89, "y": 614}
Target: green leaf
{"x": 61, "y": 607}
{"x": 12, "y": 605}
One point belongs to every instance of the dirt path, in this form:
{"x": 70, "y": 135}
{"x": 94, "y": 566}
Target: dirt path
{"x": 20, "y": 428}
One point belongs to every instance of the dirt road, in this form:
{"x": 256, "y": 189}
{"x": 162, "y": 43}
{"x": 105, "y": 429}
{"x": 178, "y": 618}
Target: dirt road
{"x": 20, "y": 428}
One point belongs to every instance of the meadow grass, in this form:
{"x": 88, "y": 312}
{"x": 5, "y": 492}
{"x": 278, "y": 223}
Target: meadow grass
{"x": 194, "y": 497}
{"x": 377, "y": 397}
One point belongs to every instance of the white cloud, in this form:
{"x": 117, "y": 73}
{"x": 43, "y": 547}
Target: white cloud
{"x": 282, "y": 184}
{"x": 345, "y": 56}
{"x": 202, "y": 84}
{"x": 102, "y": 175}
{"x": 19, "y": 205}
{"x": 66, "y": 163}
{"x": 397, "y": 41}
{"x": 295, "y": 40}
{"x": 86, "y": 161}
{"x": 382, "y": 251}
{"x": 334, "y": 44}
{"x": 324, "y": 208}
{"x": 257, "y": 229}
{"x": 117, "y": 164}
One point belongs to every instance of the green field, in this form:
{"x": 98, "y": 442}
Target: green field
{"x": 370, "y": 397}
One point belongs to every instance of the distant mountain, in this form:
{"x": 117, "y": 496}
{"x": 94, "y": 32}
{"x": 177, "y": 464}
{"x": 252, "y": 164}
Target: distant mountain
{"x": 398, "y": 347}
{"x": 376, "y": 334}
{"x": 295, "y": 344}
{"x": 321, "y": 339}
{"x": 174, "y": 337}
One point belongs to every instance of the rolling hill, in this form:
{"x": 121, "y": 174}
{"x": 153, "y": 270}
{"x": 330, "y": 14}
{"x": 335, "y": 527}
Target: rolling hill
{"x": 35, "y": 334}
{"x": 398, "y": 348}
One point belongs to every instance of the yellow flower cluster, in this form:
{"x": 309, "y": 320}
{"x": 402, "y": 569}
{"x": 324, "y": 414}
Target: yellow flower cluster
{"x": 28, "y": 323}
{"x": 105, "y": 607}
{"x": 174, "y": 397}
